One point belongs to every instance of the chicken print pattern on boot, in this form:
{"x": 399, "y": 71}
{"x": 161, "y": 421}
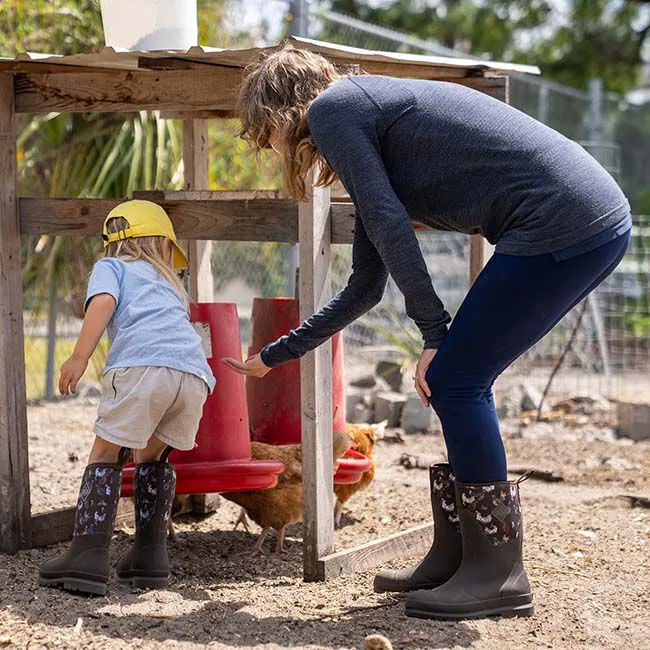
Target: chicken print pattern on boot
{"x": 442, "y": 483}
{"x": 496, "y": 509}
{"x": 96, "y": 503}
{"x": 155, "y": 483}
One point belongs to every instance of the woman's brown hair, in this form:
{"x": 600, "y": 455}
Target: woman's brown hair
{"x": 275, "y": 95}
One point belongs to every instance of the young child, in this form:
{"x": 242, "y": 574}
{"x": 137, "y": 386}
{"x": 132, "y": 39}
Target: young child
{"x": 156, "y": 381}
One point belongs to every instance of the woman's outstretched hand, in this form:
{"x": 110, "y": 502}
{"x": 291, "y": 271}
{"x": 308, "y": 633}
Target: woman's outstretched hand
{"x": 252, "y": 367}
{"x": 421, "y": 368}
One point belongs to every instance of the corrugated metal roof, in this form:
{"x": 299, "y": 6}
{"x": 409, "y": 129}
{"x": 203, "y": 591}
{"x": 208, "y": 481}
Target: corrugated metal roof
{"x": 109, "y": 58}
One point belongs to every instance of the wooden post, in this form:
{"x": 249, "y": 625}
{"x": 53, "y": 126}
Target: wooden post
{"x": 197, "y": 177}
{"x": 15, "y": 516}
{"x": 196, "y": 164}
{"x": 476, "y": 257}
{"x": 316, "y": 386}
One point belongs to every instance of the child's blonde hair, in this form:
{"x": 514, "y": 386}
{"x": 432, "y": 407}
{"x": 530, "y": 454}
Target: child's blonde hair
{"x": 275, "y": 94}
{"x": 149, "y": 249}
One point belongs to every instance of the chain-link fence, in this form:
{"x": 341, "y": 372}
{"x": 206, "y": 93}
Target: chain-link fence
{"x": 609, "y": 350}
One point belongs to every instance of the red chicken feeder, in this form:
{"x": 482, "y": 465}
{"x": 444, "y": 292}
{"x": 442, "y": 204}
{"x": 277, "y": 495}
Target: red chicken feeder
{"x": 351, "y": 468}
{"x": 221, "y": 460}
{"x": 274, "y": 400}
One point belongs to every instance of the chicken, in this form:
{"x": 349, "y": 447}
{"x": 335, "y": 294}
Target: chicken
{"x": 280, "y": 506}
{"x": 363, "y": 438}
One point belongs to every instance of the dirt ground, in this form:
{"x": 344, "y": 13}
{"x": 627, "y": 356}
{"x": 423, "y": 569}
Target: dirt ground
{"x": 587, "y": 548}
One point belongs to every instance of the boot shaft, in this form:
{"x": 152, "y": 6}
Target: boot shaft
{"x": 443, "y": 499}
{"x": 493, "y": 508}
{"x": 154, "y": 488}
{"x": 491, "y": 527}
{"x": 97, "y": 501}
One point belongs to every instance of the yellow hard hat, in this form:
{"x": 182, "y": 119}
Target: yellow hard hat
{"x": 146, "y": 219}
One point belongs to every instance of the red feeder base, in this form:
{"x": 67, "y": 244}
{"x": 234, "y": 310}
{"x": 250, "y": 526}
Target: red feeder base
{"x": 351, "y": 468}
{"x": 225, "y": 476}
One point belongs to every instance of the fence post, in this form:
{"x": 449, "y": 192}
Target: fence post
{"x": 595, "y": 126}
{"x": 53, "y": 308}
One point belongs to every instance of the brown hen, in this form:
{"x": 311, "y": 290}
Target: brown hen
{"x": 280, "y": 506}
{"x": 363, "y": 438}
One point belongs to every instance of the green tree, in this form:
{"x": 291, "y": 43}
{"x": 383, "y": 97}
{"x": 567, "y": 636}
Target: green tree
{"x": 604, "y": 38}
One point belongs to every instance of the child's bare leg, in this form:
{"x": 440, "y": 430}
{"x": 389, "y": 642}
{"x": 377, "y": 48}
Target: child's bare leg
{"x": 152, "y": 451}
{"x": 104, "y": 452}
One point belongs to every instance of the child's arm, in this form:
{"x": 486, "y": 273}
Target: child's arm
{"x": 98, "y": 315}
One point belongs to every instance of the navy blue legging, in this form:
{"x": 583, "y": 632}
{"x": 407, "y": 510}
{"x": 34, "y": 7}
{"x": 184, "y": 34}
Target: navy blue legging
{"x": 514, "y": 302}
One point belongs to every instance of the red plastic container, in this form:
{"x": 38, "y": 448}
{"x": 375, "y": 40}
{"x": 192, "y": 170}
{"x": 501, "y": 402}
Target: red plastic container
{"x": 221, "y": 461}
{"x": 351, "y": 467}
{"x": 274, "y": 400}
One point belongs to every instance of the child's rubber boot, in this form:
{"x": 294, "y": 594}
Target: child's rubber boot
{"x": 85, "y": 567}
{"x": 491, "y": 580}
{"x": 442, "y": 560}
{"x": 146, "y": 565}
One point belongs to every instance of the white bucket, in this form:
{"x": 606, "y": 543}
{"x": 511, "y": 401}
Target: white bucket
{"x": 150, "y": 24}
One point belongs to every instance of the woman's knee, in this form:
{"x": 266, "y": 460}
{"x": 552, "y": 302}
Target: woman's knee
{"x": 448, "y": 387}
{"x": 438, "y": 381}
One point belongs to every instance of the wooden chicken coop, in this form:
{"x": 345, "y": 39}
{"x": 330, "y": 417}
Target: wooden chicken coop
{"x": 195, "y": 86}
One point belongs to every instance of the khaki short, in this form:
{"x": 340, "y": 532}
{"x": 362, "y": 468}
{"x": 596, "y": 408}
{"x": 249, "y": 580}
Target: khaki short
{"x": 146, "y": 401}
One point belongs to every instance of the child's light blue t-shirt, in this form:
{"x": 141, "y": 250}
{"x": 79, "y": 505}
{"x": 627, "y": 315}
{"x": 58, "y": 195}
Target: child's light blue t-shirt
{"x": 150, "y": 326}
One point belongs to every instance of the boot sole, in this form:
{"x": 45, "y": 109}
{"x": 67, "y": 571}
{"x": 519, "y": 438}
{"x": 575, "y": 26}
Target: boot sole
{"x": 75, "y": 584}
{"x": 144, "y": 582}
{"x": 507, "y": 611}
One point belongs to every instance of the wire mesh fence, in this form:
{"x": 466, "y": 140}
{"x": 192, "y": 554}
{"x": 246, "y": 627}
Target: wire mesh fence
{"x": 609, "y": 352}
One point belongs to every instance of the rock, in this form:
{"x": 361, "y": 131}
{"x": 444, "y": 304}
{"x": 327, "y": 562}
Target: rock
{"x": 360, "y": 413}
{"x": 353, "y": 396}
{"x": 416, "y": 417}
{"x": 388, "y": 406}
{"x": 377, "y": 642}
{"x": 364, "y": 381}
{"x": 358, "y": 405}
{"x": 583, "y": 404}
{"x": 531, "y": 398}
{"x": 73, "y": 456}
{"x": 633, "y": 420}
{"x": 391, "y": 373}
{"x": 619, "y": 463}
{"x": 509, "y": 404}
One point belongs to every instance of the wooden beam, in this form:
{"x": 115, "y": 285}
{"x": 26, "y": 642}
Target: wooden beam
{"x": 316, "y": 386}
{"x": 495, "y": 86}
{"x": 57, "y": 526}
{"x": 213, "y": 89}
{"x": 197, "y": 115}
{"x": 409, "y": 543}
{"x": 197, "y": 177}
{"x": 239, "y": 220}
{"x": 211, "y": 195}
{"x": 127, "y": 91}
{"x": 15, "y": 516}
{"x": 218, "y": 216}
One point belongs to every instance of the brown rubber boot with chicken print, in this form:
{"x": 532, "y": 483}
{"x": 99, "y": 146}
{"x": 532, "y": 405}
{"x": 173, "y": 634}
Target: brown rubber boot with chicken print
{"x": 491, "y": 580}
{"x": 84, "y": 567}
{"x": 442, "y": 560}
